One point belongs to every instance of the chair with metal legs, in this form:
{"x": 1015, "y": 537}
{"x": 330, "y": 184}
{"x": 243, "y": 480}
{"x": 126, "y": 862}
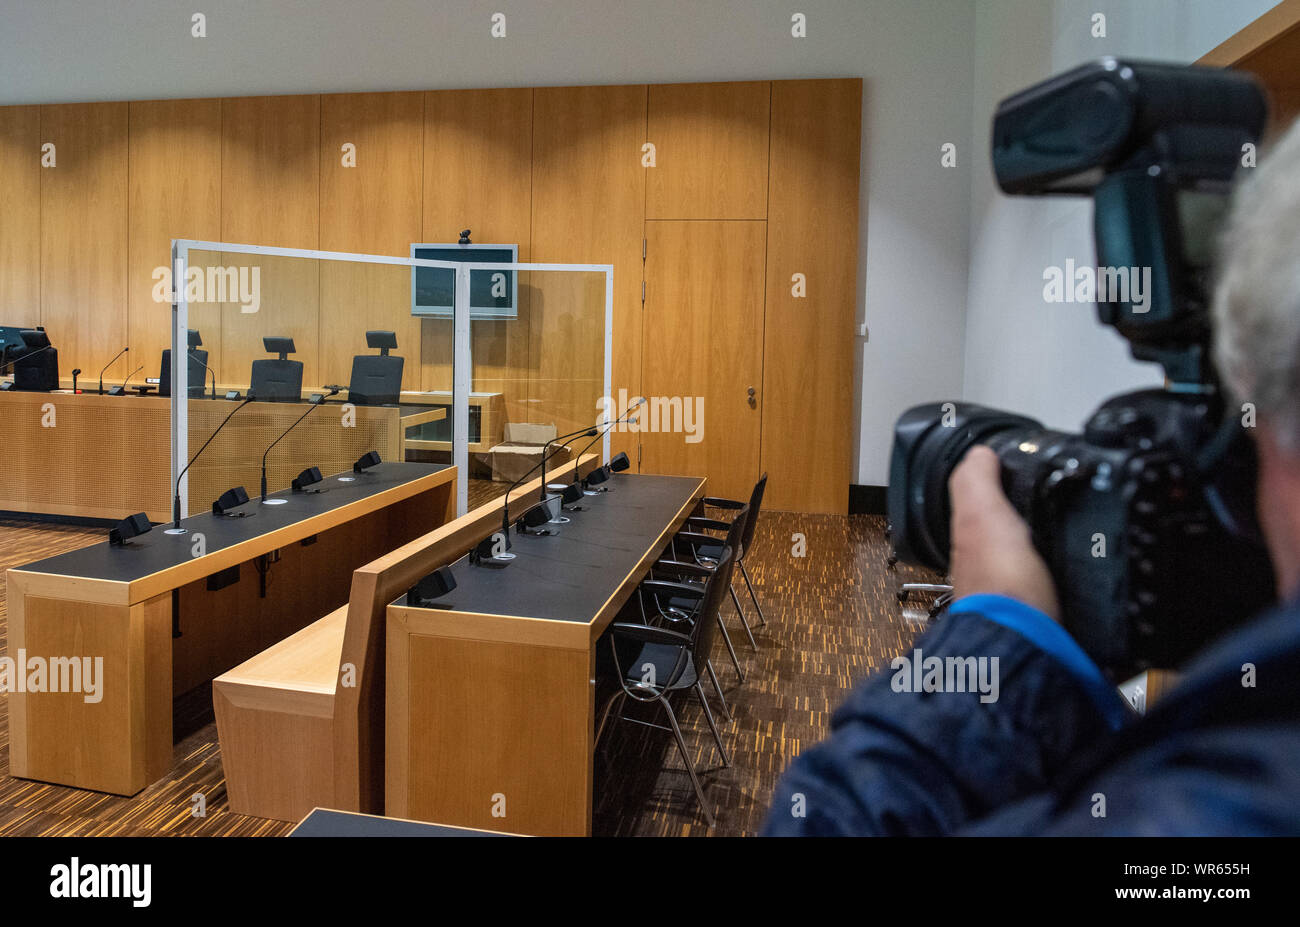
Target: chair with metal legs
{"x": 679, "y": 612}
{"x": 691, "y": 565}
{"x": 654, "y": 662}
{"x": 750, "y": 510}
{"x": 942, "y": 592}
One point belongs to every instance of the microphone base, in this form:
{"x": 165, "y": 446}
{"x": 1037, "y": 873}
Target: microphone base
{"x": 274, "y": 501}
{"x": 559, "y": 520}
{"x": 176, "y": 531}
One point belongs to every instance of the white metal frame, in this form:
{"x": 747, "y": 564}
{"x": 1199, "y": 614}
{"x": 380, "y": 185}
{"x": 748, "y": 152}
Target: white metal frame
{"x": 462, "y": 377}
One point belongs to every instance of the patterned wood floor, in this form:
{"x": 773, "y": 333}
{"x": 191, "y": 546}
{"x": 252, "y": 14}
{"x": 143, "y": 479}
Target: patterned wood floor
{"x": 832, "y": 618}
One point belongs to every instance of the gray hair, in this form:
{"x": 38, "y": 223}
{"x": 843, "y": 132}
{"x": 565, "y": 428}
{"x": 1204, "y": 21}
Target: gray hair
{"x": 1257, "y": 298}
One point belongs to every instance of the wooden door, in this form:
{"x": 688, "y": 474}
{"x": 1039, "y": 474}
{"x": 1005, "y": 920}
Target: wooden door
{"x": 702, "y": 332}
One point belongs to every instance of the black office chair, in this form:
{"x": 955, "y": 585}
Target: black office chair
{"x": 706, "y": 552}
{"x": 376, "y": 378}
{"x": 197, "y": 370}
{"x": 278, "y": 379}
{"x": 653, "y": 662}
{"x": 36, "y": 370}
{"x": 690, "y": 563}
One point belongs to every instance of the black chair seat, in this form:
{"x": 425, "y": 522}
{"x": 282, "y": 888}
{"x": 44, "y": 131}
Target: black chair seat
{"x": 684, "y": 605}
{"x": 709, "y": 552}
{"x": 664, "y": 659}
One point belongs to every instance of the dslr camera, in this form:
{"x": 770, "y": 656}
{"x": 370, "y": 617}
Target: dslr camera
{"x": 1146, "y": 519}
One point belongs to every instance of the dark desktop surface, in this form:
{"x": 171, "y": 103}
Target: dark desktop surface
{"x": 325, "y": 823}
{"x": 569, "y": 576}
{"x": 157, "y": 551}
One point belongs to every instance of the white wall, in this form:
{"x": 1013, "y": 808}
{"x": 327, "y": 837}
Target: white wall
{"x": 1054, "y": 361}
{"x": 915, "y": 57}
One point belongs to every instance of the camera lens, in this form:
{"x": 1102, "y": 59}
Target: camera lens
{"x": 929, "y": 441}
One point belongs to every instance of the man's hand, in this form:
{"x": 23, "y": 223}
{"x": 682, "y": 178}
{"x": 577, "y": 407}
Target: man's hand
{"x": 991, "y": 548}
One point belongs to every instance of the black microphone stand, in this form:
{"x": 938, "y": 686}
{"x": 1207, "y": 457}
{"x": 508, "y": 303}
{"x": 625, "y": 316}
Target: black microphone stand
{"x": 505, "y": 507}
{"x": 582, "y": 432}
{"x": 122, "y": 389}
{"x": 606, "y": 428}
{"x": 176, "y": 502}
{"x": 106, "y": 366}
{"x": 333, "y": 391}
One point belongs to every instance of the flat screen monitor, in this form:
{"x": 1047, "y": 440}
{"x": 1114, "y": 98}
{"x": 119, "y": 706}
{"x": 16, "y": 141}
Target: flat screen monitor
{"x": 492, "y": 293}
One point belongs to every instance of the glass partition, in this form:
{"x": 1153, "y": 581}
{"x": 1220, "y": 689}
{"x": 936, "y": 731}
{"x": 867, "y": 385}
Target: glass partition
{"x": 300, "y": 359}
{"x": 537, "y": 374}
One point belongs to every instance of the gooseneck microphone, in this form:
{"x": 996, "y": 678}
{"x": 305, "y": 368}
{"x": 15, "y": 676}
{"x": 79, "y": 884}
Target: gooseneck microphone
{"x": 333, "y": 391}
{"x": 176, "y": 502}
{"x": 618, "y": 421}
{"x": 194, "y": 358}
{"x": 583, "y": 432}
{"x": 625, "y": 417}
{"x": 76, "y": 372}
{"x": 106, "y": 366}
{"x": 119, "y": 390}
{"x": 505, "y": 506}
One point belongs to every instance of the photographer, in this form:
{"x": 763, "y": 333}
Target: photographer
{"x": 1057, "y": 752}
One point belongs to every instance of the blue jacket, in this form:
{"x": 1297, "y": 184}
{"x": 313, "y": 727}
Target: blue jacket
{"x": 1057, "y": 751}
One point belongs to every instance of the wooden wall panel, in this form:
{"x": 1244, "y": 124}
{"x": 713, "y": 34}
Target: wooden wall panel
{"x": 589, "y": 208}
{"x": 20, "y": 215}
{"x": 174, "y": 184}
{"x": 289, "y": 307}
{"x": 478, "y": 165}
{"x": 704, "y": 344}
{"x": 270, "y": 166}
{"x": 813, "y": 230}
{"x": 372, "y": 208}
{"x": 270, "y": 195}
{"x": 478, "y": 175}
{"x": 556, "y": 170}
{"x": 1268, "y": 48}
{"x": 710, "y": 150}
{"x": 83, "y": 236}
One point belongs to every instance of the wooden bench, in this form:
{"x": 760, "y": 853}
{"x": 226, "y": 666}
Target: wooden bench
{"x": 301, "y": 724}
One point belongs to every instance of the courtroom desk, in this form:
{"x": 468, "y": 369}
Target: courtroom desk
{"x": 491, "y": 695}
{"x": 169, "y": 612}
{"x": 323, "y": 822}
{"x": 107, "y": 457}
{"x": 86, "y": 455}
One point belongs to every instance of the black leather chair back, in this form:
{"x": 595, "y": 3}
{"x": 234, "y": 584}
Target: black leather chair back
{"x": 751, "y": 521}
{"x": 706, "y": 619}
{"x": 275, "y": 380}
{"x": 376, "y": 379}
